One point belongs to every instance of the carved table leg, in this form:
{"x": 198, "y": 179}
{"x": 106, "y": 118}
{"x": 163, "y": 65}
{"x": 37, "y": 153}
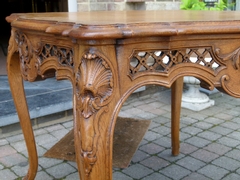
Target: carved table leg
{"x": 177, "y": 88}
{"x": 93, "y": 145}
{"x": 18, "y": 94}
{"x": 94, "y": 100}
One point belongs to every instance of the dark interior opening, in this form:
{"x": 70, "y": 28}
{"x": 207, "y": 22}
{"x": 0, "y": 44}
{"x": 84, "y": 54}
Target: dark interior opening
{"x": 23, "y": 6}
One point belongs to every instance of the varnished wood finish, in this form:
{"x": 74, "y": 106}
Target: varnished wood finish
{"x": 108, "y": 55}
{"x": 176, "y": 100}
{"x": 16, "y": 86}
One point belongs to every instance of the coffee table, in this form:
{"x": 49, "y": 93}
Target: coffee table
{"x": 107, "y": 56}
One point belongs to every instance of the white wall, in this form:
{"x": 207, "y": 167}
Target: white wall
{"x": 237, "y": 5}
{"x": 72, "y": 5}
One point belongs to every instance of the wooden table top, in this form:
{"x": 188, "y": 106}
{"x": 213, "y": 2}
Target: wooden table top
{"x": 123, "y": 24}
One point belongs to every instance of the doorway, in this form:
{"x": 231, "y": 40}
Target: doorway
{"x": 23, "y": 6}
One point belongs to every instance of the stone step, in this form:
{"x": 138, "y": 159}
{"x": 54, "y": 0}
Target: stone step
{"x": 44, "y": 98}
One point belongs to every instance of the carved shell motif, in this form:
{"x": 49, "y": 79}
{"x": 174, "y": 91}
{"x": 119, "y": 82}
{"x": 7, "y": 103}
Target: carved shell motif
{"x": 95, "y": 80}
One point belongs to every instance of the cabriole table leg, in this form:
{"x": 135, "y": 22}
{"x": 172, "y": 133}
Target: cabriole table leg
{"x": 18, "y": 94}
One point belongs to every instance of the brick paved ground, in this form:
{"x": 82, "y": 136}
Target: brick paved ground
{"x": 210, "y": 144}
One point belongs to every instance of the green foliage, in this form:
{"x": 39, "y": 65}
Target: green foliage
{"x": 193, "y": 5}
{"x": 220, "y": 6}
{"x": 200, "y": 5}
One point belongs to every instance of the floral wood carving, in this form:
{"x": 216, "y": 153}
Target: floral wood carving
{"x": 94, "y": 87}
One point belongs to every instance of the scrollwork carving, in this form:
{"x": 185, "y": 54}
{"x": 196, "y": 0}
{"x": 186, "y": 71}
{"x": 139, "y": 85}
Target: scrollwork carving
{"x": 234, "y": 56}
{"x": 230, "y": 81}
{"x": 94, "y": 87}
{"x": 29, "y": 64}
{"x": 230, "y": 85}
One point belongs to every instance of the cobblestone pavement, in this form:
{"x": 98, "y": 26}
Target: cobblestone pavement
{"x": 210, "y": 144}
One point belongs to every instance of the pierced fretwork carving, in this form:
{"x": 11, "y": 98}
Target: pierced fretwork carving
{"x": 163, "y": 60}
{"x": 33, "y": 55}
{"x": 64, "y": 55}
{"x": 94, "y": 87}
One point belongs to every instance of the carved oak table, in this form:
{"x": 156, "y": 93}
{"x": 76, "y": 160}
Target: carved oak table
{"x": 108, "y": 55}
